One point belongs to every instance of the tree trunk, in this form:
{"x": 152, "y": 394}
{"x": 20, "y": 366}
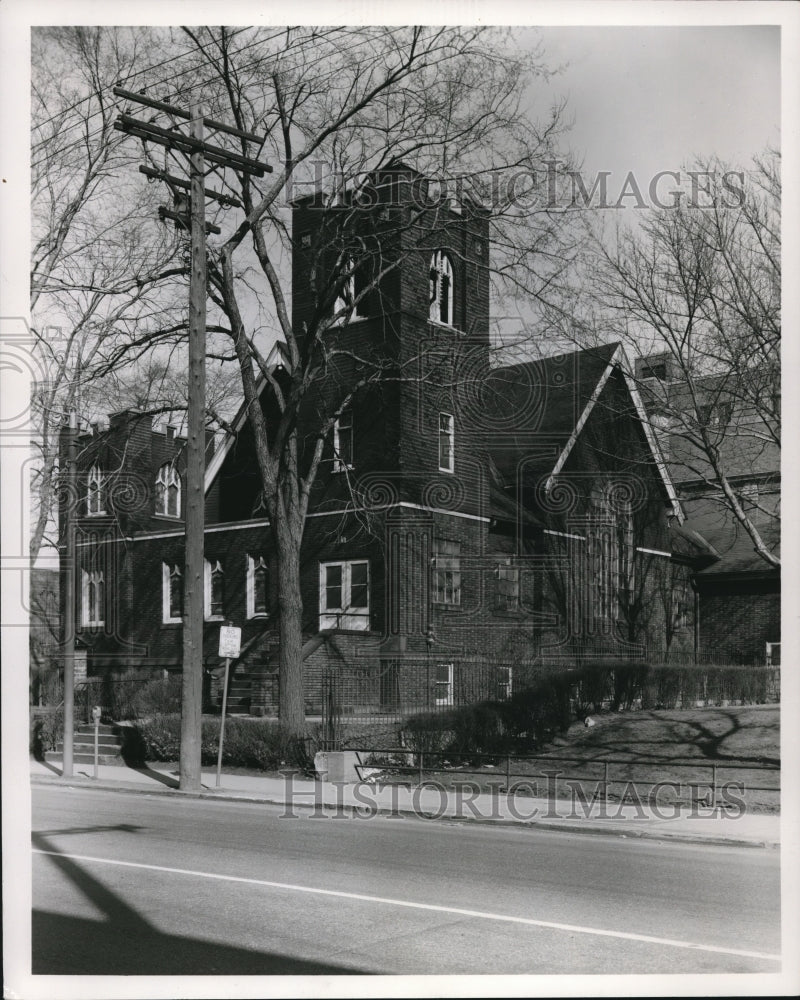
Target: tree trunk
{"x": 290, "y": 619}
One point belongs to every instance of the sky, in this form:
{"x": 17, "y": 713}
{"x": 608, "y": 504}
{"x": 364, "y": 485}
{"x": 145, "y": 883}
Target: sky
{"x": 651, "y": 98}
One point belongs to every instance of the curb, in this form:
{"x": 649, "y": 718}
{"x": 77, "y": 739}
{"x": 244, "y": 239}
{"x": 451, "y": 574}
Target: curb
{"x": 588, "y": 827}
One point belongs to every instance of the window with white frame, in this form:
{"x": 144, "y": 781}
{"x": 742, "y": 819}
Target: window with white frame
{"x": 443, "y": 684}
{"x": 168, "y": 491}
{"x": 441, "y": 289}
{"x": 93, "y": 598}
{"x": 94, "y": 492}
{"x": 446, "y": 588}
{"x": 507, "y": 586}
{"x": 446, "y": 442}
{"x": 343, "y": 441}
{"x": 505, "y": 678}
{"x": 214, "y": 591}
{"x": 171, "y": 593}
{"x": 348, "y": 305}
{"x": 257, "y": 580}
{"x": 344, "y": 595}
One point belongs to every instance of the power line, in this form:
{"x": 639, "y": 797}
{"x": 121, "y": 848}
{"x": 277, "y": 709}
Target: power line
{"x": 146, "y": 69}
{"x": 153, "y": 87}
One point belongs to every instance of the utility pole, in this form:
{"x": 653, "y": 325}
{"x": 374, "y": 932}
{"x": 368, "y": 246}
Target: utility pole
{"x": 71, "y": 501}
{"x": 200, "y": 153}
{"x": 192, "y": 703}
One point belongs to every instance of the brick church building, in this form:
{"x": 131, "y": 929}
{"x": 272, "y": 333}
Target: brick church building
{"x": 470, "y": 521}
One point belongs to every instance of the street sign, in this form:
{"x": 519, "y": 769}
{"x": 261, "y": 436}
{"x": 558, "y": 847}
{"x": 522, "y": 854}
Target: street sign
{"x": 230, "y": 641}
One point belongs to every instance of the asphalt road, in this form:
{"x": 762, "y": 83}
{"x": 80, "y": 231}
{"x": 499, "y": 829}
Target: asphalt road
{"x": 149, "y": 885}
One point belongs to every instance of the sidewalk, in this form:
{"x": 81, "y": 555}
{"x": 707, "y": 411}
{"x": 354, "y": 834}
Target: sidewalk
{"x": 301, "y": 795}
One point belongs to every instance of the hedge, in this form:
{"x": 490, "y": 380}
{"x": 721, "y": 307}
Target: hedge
{"x": 551, "y": 702}
{"x": 249, "y": 743}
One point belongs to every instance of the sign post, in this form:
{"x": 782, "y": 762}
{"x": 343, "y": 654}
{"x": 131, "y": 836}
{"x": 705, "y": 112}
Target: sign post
{"x": 96, "y": 713}
{"x": 230, "y": 640}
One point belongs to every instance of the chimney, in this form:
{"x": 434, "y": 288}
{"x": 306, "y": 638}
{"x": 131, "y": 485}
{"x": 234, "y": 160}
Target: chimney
{"x": 122, "y": 417}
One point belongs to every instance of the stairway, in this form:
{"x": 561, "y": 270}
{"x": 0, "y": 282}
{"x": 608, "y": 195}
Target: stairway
{"x": 239, "y": 691}
{"x": 109, "y": 746}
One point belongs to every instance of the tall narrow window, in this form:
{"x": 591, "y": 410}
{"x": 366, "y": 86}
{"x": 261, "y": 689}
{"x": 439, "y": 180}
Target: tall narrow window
{"x": 446, "y": 442}
{"x": 257, "y": 579}
{"x": 443, "y": 684}
{"x": 626, "y": 553}
{"x": 343, "y": 441}
{"x": 214, "y": 590}
{"x": 168, "y": 491}
{"x": 352, "y": 302}
{"x": 93, "y": 598}
{"x": 507, "y": 592}
{"x": 344, "y": 595}
{"x": 171, "y": 593}
{"x": 505, "y": 679}
{"x": 603, "y": 570}
{"x": 441, "y": 289}
{"x": 94, "y": 492}
{"x": 446, "y": 587}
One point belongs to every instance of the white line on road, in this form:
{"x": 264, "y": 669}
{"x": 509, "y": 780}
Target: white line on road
{"x": 457, "y": 911}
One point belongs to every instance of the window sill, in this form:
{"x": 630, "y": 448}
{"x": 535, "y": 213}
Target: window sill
{"x": 168, "y": 517}
{"x": 97, "y": 513}
{"x": 215, "y": 618}
{"x": 343, "y": 468}
{"x": 444, "y": 326}
{"x": 258, "y": 616}
{"x": 450, "y": 471}
{"x": 346, "y": 324}
{"x": 172, "y": 621}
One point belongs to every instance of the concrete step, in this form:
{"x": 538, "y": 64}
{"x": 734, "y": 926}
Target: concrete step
{"x": 104, "y": 746}
{"x": 86, "y": 758}
{"x": 103, "y": 729}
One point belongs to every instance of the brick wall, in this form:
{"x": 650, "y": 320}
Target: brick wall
{"x": 738, "y": 621}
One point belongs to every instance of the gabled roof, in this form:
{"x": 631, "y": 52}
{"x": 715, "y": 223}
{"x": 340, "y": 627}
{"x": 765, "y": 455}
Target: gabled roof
{"x": 557, "y": 396}
{"x": 736, "y": 553}
{"x": 277, "y": 358}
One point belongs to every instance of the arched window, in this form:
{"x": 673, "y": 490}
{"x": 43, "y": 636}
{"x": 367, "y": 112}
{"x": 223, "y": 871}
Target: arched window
{"x": 168, "y": 491}
{"x": 214, "y": 590}
{"x": 257, "y": 580}
{"x": 441, "y": 289}
{"x": 93, "y": 598}
{"x": 352, "y": 302}
{"x": 94, "y": 492}
{"x": 171, "y": 593}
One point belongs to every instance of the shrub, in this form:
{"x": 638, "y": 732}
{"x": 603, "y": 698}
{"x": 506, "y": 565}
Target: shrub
{"x": 251, "y": 743}
{"x": 161, "y": 696}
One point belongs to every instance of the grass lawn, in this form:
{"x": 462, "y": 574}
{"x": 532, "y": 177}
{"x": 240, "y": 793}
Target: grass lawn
{"x": 646, "y": 747}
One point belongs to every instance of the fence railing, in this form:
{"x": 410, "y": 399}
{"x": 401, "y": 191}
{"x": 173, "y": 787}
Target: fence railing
{"x": 396, "y": 690}
{"x": 422, "y": 765}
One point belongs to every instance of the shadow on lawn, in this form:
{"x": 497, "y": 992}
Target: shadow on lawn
{"x": 699, "y": 740}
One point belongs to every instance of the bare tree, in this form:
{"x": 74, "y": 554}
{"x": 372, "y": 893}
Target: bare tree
{"x": 337, "y": 106}
{"x": 99, "y": 260}
{"x": 695, "y": 288}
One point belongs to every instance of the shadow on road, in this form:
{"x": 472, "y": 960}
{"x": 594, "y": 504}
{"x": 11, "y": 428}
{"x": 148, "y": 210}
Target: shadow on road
{"x": 65, "y": 945}
{"x": 127, "y": 943}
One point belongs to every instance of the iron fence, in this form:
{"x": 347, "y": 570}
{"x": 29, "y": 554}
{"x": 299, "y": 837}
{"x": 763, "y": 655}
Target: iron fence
{"x": 398, "y": 762}
{"x": 395, "y": 690}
